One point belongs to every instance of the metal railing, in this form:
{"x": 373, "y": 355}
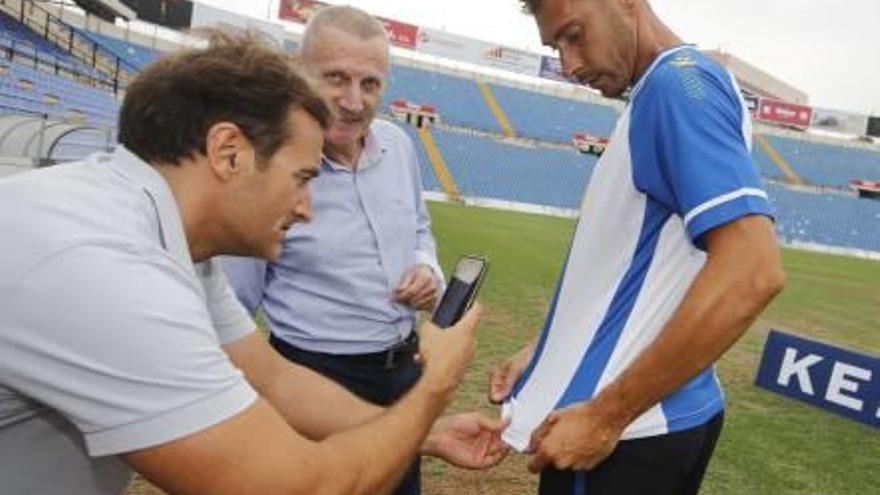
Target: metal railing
{"x": 112, "y": 72}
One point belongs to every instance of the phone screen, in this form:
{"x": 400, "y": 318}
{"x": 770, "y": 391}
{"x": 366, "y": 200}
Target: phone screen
{"x": 461, "y": 291}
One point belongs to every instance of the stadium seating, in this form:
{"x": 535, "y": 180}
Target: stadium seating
{"x": 485, "y": 167}
{"x": 137, "y": 55}
{"x": 14, "y": 29}
{"x": 429, "y": 177}
{"x": 552, "y": 118}
{"x": 823, "y": 164}
{"x": 458, "y": 100}
{"x": 765, "y": 164}
{"x": 826, "y": 219}
{"x": 30, "y": 90}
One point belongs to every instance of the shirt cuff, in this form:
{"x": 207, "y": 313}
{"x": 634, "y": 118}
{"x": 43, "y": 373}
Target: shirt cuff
{"x": 235, "y": 327}
{"x": 174, "y": 424}
{"x": 723, "y": 210}
{"x": 423, "y": 258}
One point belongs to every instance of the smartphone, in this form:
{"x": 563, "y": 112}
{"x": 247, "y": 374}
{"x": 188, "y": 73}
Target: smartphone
{"x": 462, "y": 290}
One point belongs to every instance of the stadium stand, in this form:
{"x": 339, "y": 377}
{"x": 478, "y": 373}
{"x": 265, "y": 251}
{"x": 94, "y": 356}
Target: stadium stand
{"x": 822, "y": 164}
{"x": 484, "y": 167}
{"x": 136, "y": 55}
{"x": 30, "y": 90}
{"x": 458, "y": 100}
{"x": 27, "y": 39}
{"x": 826, "y": 219}
{"x": 558, "y": 119}
{"x": 429, "y": 178}
{"x": 482, "y": 163}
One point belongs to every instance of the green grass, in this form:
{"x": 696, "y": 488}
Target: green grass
{"x": 770, "y": 445}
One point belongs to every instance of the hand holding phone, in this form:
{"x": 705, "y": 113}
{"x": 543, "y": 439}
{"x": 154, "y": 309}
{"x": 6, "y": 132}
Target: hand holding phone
{"x": 462, "y": 290}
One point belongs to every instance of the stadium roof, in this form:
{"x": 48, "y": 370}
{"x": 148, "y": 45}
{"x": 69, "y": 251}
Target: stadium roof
{"x": 757, "y": 81}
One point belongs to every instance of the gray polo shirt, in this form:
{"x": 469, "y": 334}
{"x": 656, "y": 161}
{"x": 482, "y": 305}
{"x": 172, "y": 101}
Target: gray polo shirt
{"x": 110, "y": 337}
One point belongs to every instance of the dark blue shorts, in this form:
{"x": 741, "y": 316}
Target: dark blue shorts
{"x": 672, "y": 464}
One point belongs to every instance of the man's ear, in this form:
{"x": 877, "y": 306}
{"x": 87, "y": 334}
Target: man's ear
{"x": 223, "y": 145}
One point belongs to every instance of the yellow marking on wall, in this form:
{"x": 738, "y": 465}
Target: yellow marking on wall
{"x": 776, "y": 158}
{"x": 496, "y": 109}
{"x": 439, "y": 165}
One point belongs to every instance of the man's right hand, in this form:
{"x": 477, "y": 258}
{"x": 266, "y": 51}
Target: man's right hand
{"x": 507, "y": 372}
{"x": 445, "y": 353}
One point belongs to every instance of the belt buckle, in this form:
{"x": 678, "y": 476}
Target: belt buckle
{"x": 389, "y": 359}
{"x": 410, "y": 343}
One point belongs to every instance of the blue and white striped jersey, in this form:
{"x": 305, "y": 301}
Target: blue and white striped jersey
{"x": 678, "y": 165}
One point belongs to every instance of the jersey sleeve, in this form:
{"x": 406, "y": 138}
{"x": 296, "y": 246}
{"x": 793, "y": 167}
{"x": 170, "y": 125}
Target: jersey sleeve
{"x": 121, "y": 343}
{"x": 230, "y": 319}
{"x": 689, "y": 139}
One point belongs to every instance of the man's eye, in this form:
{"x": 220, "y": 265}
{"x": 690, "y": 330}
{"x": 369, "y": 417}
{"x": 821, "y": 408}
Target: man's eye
{"x": 334, "y": 78}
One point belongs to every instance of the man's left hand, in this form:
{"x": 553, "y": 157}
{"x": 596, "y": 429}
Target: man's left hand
{"x": 578, "y": 437}
{"x": 418, "y": 288}
{"x": 467, "y": 440}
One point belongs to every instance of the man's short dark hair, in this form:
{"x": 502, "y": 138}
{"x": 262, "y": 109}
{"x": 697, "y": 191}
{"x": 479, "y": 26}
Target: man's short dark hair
{"x": 531, "y": 6}
{"x": 239, "y": 78}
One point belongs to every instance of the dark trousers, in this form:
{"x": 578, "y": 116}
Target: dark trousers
{"x": 370, "y": 376}
{"x": 672, "y": 464}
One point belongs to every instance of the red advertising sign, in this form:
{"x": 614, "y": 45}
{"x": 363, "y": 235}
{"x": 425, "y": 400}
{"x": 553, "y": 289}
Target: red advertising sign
{"x": 400, "y": 33}
{"x": 780, "y": 112}
{"x": 298, "y": 10}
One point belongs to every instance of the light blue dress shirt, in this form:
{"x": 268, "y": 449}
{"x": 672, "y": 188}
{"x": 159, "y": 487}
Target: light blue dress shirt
{"x": 332, "y": 289}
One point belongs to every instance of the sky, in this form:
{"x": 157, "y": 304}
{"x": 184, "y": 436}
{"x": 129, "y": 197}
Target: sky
{"x": 826, "y": 48}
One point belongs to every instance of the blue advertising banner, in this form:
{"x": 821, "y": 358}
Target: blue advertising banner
{"x": 827, "y": 377}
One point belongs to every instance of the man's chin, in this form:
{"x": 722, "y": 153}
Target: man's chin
{"x": 345, "y": 132}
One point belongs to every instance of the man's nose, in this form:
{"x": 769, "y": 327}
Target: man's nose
{"x": 352, "y": 99}
{"x": 303, "y": 207}
{"x": 570, "y": 61}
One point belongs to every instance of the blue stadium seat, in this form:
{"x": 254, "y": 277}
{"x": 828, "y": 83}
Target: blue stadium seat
{"x": 429, "y": 177}
{"x": 98, "y": 106}
{"x": 488, "y": 168}
{"x": 825, "y": 164}
{"x": 458, "y": 100}
{"x": 826, "y": 219}
{"x": 136, "y": 55}
{"x": 552, "y": 118}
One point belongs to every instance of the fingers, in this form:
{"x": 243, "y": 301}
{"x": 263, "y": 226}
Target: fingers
{"x": 416, "y": 284}
{"x": 495, "y": 425}
{"x": 542, "y": 431}
{"x": 499, "y": 383}
{"x": 471, "y": 317}
{"x": 537, "y": 463}
{"x": 425, "y": 299}
{"x": 406, "y": 289}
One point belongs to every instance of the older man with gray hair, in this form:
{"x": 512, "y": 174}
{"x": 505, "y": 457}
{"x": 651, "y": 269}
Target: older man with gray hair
{"x": 343, "y": 297}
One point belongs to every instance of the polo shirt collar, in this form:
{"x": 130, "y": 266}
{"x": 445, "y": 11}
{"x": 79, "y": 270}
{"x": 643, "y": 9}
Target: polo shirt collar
{"x": 170, "y": 225}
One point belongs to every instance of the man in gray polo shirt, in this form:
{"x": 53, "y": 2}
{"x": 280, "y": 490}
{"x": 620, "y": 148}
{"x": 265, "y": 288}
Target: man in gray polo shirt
{"x": 117, "y": 352}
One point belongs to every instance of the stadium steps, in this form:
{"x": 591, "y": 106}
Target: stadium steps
{"x": 496, "y": 109}
{"x": 439, "y": 165}
{"x": 776, "y": 158}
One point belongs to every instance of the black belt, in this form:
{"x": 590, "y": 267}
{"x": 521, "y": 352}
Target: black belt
{"x": 387, "y": 358}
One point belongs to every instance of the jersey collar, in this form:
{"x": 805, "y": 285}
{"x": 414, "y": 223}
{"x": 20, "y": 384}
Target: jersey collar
{"x": 657, "y": 61}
